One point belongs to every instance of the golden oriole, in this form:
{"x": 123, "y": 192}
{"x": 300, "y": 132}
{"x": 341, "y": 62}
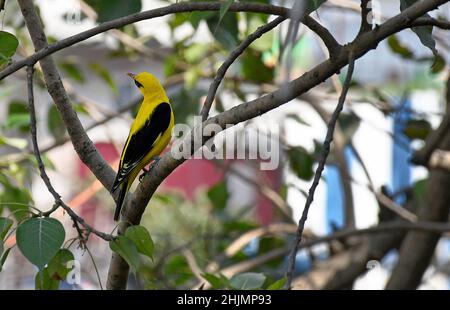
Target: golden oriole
{"x": 149, "y": 134}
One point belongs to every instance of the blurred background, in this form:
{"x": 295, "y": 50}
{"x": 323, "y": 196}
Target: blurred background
{"x": 228, "y": 216}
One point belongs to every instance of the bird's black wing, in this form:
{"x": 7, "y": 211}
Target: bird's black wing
{"x": 140, "y": 143}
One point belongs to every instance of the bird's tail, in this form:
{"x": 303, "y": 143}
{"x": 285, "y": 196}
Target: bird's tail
{"x": 123, "y": 191}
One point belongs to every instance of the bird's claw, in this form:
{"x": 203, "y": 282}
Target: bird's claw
{"x": 152, "y": 165}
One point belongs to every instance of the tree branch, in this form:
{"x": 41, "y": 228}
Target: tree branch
{"x": 58, "y": 201}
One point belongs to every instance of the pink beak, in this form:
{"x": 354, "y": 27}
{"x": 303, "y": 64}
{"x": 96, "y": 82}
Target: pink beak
{"x": 131, "y": 75}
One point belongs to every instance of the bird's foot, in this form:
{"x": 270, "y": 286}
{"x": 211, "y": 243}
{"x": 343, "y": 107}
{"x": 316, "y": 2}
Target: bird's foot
{"x": 147, "y": 171}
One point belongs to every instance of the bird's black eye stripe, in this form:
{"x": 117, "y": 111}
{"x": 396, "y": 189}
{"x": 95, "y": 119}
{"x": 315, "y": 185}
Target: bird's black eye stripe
{"x": 139, "y": 85}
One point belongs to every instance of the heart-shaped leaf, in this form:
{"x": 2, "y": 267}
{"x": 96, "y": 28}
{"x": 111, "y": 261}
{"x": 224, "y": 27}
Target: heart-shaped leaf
{"x": 57, "y": 267}
{"x": 248, "y": 281}
{"x": 39, "y": 239}
{"x": 8, "y": 46}
{"x": 141, "y": 239}
{"x": 128, "y": 250}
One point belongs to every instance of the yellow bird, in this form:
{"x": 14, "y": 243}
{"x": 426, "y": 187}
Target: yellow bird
{"x": 149, "y": 134}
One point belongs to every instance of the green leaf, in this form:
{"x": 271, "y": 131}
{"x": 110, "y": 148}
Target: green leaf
{"x": 112, "y": 9}
{"x": 224, "y": 9}
{"x": 313, "y": 5}
{"x": 3, "y": 258}
{"x": 55, "y": 124}
{"x": 16, "y": 199}
{"x": 39, "y": 239}
{"x": 423, "y": 32}
{"x": 417, "y": 129}
{"x": 14, "y": 142}
{"x": 226, "y": 32}
{"x": 278, "y": 285}
{"x": 438, "y": 65}
{"x": 196, "y": 17}
{"x": 265, "y": 42}
{"x": 18, "y": 121}
{"x": 5, "y": 225}
{"x": 185, "y": 103}
{"x": 218, "y": 195}
{"x": 142, "y": 239}
{"x": 72, "y": 70}
{"x": 419, "y": 190}
{"x": 8, "y": 47}
{"x": 397, "y": 47}
{"x": 104, "y": 74}
{"x": 57, "y": 267}
{"x": 195, "y": 52}
{"x": 177, "y": 20}
{"x": 301, "y": 162}
{"x": 18, "y": 116}
{"x": 215, "y": 282}
{"x": 191, "y": 77}
{"x": 127, "y": 250}
{"x": 248, "y": 281}
{"x": 254, "y": 69}
{"x": 179, "y": 270}
{"x": 43, "y": 281}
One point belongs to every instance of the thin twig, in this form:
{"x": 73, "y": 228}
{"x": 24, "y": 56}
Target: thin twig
{"x": 95, "y": 267}
{"x": 321, "y": 166}
{"x": 231, "y": 59}
{"x": 58, "y": 201}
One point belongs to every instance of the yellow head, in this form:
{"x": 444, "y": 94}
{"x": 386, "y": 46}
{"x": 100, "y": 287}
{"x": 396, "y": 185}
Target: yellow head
{"x": 146, "y": 82}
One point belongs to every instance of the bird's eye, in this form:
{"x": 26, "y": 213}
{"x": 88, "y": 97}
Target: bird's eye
{"x": 139, "y": 85}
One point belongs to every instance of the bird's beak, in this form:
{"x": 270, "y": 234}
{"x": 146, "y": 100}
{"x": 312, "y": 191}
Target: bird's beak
{"x": 131, "y": 75}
